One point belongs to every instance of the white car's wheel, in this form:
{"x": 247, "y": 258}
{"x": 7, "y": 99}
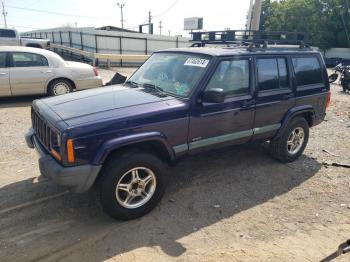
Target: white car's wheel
{"x": 60, "y": 87}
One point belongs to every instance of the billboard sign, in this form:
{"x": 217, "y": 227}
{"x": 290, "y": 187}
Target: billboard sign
{"x": 193, "y": 23}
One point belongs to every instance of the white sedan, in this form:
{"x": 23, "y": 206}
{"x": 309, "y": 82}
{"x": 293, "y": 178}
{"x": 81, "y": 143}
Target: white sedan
{"x": 27, "y": 71}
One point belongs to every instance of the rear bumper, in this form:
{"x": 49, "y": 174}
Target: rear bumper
{"x": 78, "y": 178}
{"x": 88, "y": 83}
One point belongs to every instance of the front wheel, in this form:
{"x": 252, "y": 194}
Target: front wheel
{"x": 291, "y": 144}
{"x": 131, "y": 185}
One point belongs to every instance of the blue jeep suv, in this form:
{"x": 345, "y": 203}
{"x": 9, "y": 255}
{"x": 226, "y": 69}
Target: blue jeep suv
{"x": 179, "y": 102}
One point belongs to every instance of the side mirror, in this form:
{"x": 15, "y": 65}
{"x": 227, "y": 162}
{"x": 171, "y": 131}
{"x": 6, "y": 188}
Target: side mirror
{"x": 214, "y": 95}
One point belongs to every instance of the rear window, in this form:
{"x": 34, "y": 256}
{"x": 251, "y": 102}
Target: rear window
{"x": 307, "y": 70}
{"x": 7, "y": 33}
{"x": 2, "y": 60}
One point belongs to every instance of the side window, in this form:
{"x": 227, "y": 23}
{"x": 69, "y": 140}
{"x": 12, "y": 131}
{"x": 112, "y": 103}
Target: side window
{"x": 28, "y": 60}
{"x": 2, "y": 60}
{"x": 307, "y": 70}
{"x": 232, "y": 76}
{"x": 272, "y": 73}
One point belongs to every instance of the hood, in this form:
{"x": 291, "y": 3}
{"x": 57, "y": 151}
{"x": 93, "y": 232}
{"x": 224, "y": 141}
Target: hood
{"x": 107, "y": 103}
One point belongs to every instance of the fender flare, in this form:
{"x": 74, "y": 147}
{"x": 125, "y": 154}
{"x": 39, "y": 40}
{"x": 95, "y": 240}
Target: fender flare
{"x": 110, "y": 145}
{"x": 293, "y": 112}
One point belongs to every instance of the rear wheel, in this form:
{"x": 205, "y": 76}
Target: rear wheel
{"x": 291, "y": 144}
{"x": 60, "y": 87}
{"x": 131, "y": 185}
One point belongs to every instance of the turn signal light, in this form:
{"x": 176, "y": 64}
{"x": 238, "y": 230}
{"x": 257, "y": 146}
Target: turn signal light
{"x": 70, "y": 151}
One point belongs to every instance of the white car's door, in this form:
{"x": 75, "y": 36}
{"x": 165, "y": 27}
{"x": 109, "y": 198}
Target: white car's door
{"x": 4, "y": 75}
{"x": 29, "y": 73}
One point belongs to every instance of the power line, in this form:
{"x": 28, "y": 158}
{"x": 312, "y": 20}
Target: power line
{"x": 51, "y": 12}
{"x": 21, "y": 26}
{"x": 167, "y": 10}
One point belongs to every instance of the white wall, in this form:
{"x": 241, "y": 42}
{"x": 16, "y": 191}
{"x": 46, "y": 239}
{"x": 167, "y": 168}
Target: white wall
{"x": 338, "y": 52}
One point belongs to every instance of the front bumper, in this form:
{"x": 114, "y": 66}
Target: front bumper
{"x": 78, "y": 178}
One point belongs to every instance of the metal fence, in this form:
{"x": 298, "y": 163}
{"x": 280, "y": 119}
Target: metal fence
{"x": 110, "y": 42}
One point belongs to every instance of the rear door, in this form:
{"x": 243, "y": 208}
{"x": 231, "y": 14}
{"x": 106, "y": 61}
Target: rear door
{"x": 275, "y": 95}
{"x": 4, "y": 75}
{"x": 29, "y": 73}
{"x": 311, "y": 82}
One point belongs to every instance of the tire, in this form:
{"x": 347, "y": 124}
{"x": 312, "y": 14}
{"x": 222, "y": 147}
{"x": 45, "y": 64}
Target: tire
{"x": 282, "y": 150}
{"x": 60, "y": 87}
{"x": 117, "y": 172}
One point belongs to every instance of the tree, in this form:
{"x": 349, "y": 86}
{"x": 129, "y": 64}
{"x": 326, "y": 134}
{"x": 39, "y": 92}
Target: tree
{"x": 327, "y": 21}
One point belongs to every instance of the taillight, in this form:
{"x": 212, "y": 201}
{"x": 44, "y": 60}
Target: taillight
{"x": 328, "y": 99}
{"x": 95, "y": 71}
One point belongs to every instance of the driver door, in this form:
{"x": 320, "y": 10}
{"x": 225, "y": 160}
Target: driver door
{"x": 229, "y": 122}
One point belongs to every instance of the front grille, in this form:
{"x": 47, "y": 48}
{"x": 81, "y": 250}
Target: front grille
{"x": 43, "y": 132}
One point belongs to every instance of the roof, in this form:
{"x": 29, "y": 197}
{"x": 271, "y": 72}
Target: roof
{"x": 227, "y": 51}
{"x": 25, "y": 49}
{"x": 115, "y": 28}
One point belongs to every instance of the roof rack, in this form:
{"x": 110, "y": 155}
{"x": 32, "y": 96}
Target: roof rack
{"x": 250, "y": 38}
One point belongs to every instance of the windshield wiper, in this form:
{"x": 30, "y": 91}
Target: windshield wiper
{"x": 132, "y": 84}
{"x": 155, "y": 88}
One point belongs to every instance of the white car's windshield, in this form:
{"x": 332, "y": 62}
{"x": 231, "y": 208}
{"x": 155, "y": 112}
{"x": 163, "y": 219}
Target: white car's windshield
{"x": 172, "y": 73}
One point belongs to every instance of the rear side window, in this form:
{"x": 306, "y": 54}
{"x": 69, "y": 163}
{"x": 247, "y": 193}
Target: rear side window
{"x": 232, "y": 76}
{"x": 7, "y": 33}
{"x": 307, "y": 70}
{"x": 272, "y": 73}
{"x": 2, "y": 60}
{"x": 28, "y": 60}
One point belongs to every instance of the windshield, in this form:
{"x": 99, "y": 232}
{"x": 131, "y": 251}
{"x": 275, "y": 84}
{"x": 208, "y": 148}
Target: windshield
{"x": 172, "y": 73}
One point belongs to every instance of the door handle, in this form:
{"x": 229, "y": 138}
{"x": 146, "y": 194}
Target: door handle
{"x": 46, "y": 72}
{"x": 3, "y": 74}
{"x": 248, "y": 103}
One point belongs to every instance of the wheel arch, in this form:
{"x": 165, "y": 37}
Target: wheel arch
{"x": 153, "y": 142}
{"x": 306, "y": 112}
{"x": 34, "y": 45}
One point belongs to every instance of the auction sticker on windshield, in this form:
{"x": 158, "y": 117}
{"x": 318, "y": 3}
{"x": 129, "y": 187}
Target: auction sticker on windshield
{"x": 193, "y": 61}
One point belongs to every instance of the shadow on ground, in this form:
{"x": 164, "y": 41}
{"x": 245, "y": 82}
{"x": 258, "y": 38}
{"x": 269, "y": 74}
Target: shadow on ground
{"x": 18, "y": 101}
{"x": 203, "y": 190}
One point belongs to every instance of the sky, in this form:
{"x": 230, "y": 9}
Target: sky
{"x": 218, "y": 14}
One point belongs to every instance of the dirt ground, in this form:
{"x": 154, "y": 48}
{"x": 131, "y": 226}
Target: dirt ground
{"x": 236, "y": 204}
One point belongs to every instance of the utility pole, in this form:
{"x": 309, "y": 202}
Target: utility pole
{"x": 4, "y": 13}
{"x": 150, "y": 30}
{"x": 121, "y": 6}
{"x": 160, "y": 27}
{"x": 256, "y": 15}
{"x": 169, "y": 31}
{"x": 249, "y": 17}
